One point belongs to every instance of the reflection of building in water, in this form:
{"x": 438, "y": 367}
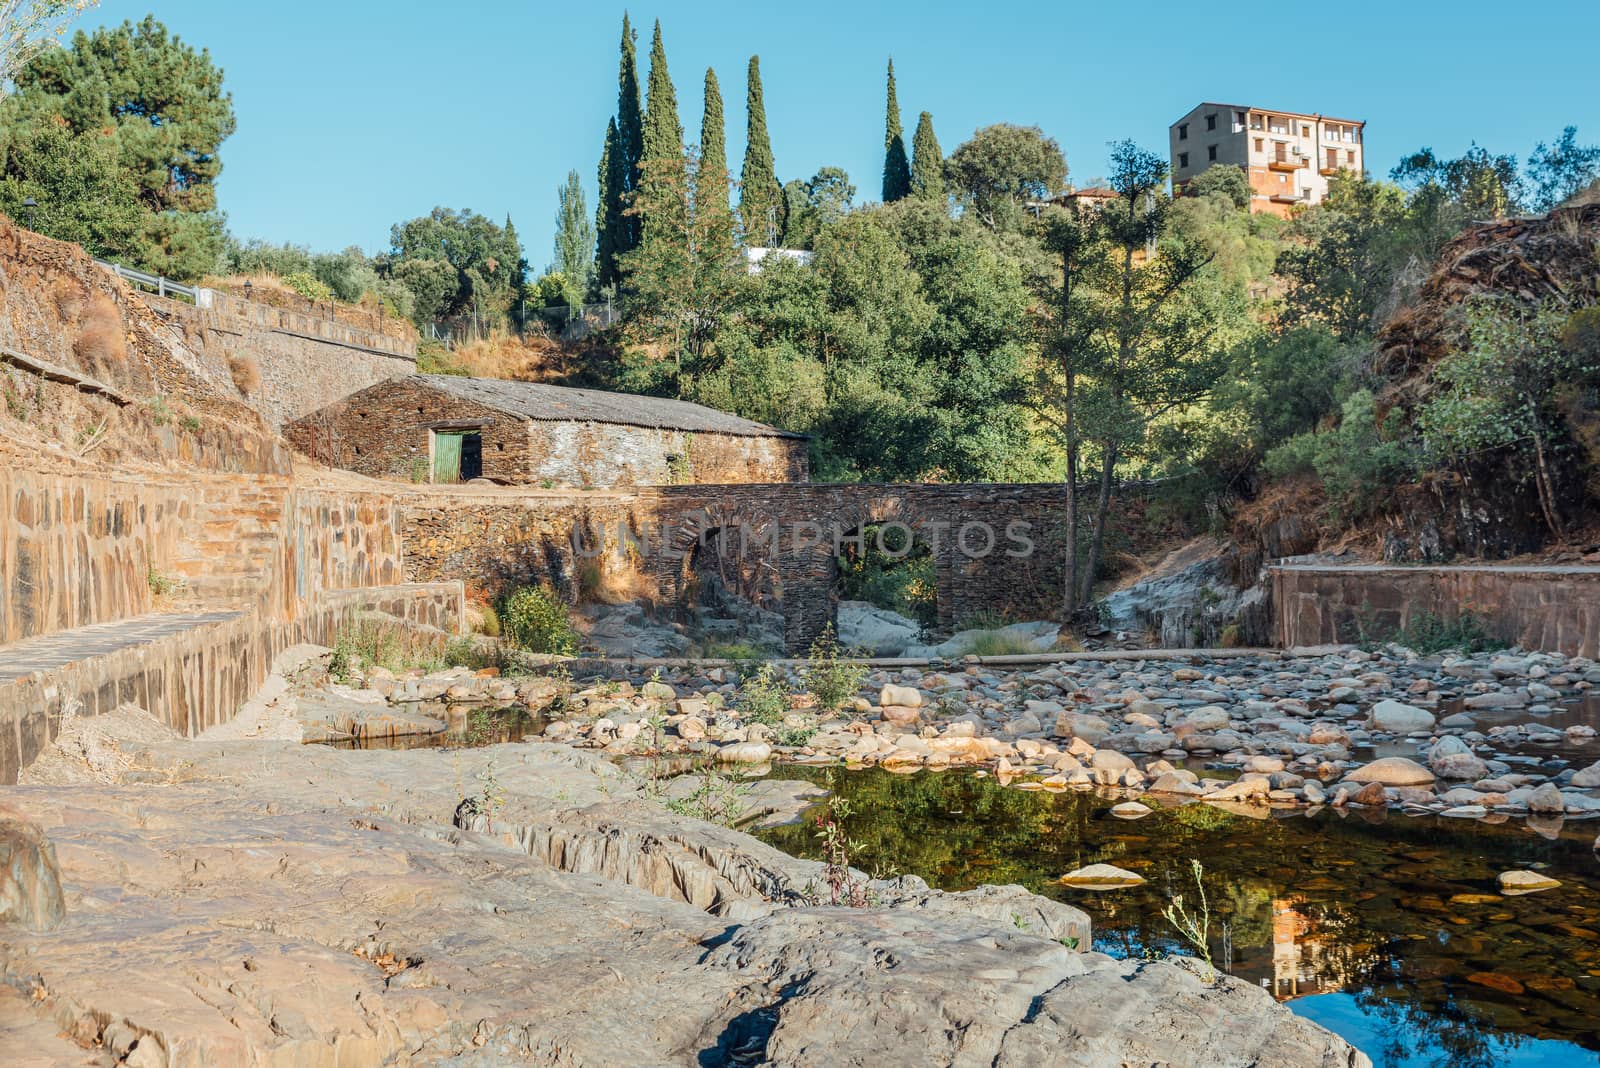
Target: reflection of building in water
{"x": 1302, "y": 962}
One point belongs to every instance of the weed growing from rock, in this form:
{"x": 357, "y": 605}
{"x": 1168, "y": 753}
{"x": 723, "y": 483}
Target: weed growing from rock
{"x": 828, "y": 676}
{"x": 764, "y": 697}
{"x": 845, "y": 886}
{"x": 534, "y": 619}
{"x": 717, "y": 799}
{"x": 1195, "y": 927}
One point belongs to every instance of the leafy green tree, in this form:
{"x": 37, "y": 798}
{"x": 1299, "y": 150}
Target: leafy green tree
{"x": 617, "y": 232}
{"x": 457, "y": 264}
{"x": 1479, "y": 185}
{"x": 896, "y": 167}
{"x": 811, "y": 205}
{"x": 81, "y": 194}
{"x": 1002, "y": 169}
{"x": 163, "y": 106}
{"x": 1222, "y": 180}
{"x": 1561, "y": 170}
{"x": 927, "y": 161}
{"x": 760, "y": 195}
{"x": 1498, "y": 391}
{"x": 1345, "y": 251}
{"x": 28, "y": 27}
{"x": 575, "y": 237}
{"x": 683, "y": 277}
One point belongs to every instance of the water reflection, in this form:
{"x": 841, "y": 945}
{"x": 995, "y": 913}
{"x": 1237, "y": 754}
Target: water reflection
{"x": 1386, "y": 927}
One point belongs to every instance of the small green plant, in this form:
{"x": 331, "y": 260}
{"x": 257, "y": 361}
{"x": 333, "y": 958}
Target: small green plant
{"x": 763, "y": 697}
{"x": 845, "y": 887}
{"x": 162, "y": 584}
{"x": 190, "y": 424}
{"x": 533, "y": 618}
{"x": 828, "y": 676}
{"x": 1426, "y": 634}
{"x": 160, "y": 410}
{"x": 994, "y": 643}
{"x": 415, "y": 469}
{"x": 309, "y": 286}
{"x": 490, "y": 798}
{"x": 796, "y": 735}
{"x": 716, "y": 799}
{"x": 1195, "y": 927}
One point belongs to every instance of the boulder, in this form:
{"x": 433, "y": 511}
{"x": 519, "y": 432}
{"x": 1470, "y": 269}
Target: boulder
{"x": 1587, "y": 778}
{"x": 1451, "y": 758}
{"x": 1516, "y": 883}
{"x": 903, "y": 696}
{"x": 1092, "y": 729}
{"x": 1397, "y": 718}
{"x": 901, "y": 715}
{"x": 1547, "y": 799}
{"x": 1392, "y": 771}
{"x": 1207, "y": 718}
{"x": 1101, "y": 877}
{"x": 745, "y": 753}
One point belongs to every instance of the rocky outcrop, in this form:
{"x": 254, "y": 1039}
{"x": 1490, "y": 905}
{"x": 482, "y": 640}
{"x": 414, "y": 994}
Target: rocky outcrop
{"x": 278, "y": 903}
{"x": 30, "y": 880}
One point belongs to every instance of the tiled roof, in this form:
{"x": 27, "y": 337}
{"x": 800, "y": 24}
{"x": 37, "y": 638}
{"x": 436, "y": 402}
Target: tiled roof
{"x": 559, "y": 404}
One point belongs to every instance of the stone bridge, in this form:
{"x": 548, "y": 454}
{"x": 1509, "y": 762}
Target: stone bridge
{"x": 994, "y": 547}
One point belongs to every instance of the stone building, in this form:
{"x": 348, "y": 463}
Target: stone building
{"x": 446, "y": 428}
{"x": 1287, "y": 156}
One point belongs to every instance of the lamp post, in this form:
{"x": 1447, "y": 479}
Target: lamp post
{"x": 27, "y": 209}
{"x": 249, "y": 286}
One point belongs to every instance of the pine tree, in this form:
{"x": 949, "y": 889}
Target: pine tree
{"x": 927, "y": 161}
{"x": 575, "y": 239}
{"x": 760, "y": 196}
{"x": 896, "y": 171}
{"x": 607, "y": 218}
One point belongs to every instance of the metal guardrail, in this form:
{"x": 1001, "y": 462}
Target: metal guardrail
{"x": 163, "y": 287}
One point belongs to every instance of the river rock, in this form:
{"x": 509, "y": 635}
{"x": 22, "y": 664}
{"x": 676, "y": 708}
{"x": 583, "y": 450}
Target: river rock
{"x": 901, "y": 715}
{"x": 692, "y": 728}
{"x": 1092, "y": 729}
{"x": 1397, "y": 718}
{"x": 1101, "y": 877}
{"x": 1546, "y": 799}
{"x": 1515, "y": 883}
{"x": 1207, "y": 718}
{"x": 1392, "y": 771}
{"x": 1587, "y": 778}
{"x": 903, "y": 696}
{"x": 1451, "y": 758}
{"x": 745, "y": 753}
{"x": 1130, "y": 810}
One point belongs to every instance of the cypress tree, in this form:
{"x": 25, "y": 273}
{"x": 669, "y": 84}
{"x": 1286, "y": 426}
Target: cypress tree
{"x": 927, "y": 161}
{"x": 608, "y": 218}
{"x": 896, "y": 170}
{"x": 760, "y": 196}
{"x": 663, "y": 133}
{"x": 711, "y": 181}
{"x": 630, "y": 138}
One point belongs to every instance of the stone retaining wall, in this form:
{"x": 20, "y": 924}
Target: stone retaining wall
{"x": 198, "y": 677}
{"x": 305, "y": 360}
{"x": 1550, "y": 608}
{"x": 495, "y": 538}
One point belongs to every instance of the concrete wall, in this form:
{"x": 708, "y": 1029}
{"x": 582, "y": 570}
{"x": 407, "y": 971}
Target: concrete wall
{"x": 387, "y": 432}
{"x": 784, "y": 535}
{"x": 1551, "y": 608}
{"x": 304, "y": 359}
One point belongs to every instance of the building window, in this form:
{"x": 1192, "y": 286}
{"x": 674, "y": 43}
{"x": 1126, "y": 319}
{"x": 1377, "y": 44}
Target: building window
{"x": 1211, "y": 122}
{"x": 1261, "y": 145}
{"x": 1211, "y": 152}
{"x": 1350, "y": 156}
{"x": 1305, "y": 131}
{"x": 1183, "y": 131}
{"x": 1238, "y": 117}
{"x": 1283, "y": 179}
{"x": 1183, "y": 160}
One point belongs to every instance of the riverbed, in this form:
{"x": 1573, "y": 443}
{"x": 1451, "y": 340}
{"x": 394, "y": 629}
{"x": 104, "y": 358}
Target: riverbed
{"x": 1385, "y": 928}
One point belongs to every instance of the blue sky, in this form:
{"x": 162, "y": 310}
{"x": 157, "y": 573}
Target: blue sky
{"x": 354, "y": 114}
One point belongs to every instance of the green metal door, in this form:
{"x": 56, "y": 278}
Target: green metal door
{"x": 446, "y": 457}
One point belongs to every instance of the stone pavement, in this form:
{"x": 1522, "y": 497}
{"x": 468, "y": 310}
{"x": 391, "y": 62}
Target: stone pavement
{"x": 52, "y": 651}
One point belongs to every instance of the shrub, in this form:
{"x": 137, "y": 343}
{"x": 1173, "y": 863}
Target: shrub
{"x": 1356, "y": 461}
{"x": 828, "y": 676}
{"x": 246, "y": 374}
{"x": 763, "y": 697}
{"x": 309, "y": 286}
{"x": 1425, "y": 634}
{"x": 535, "y": 619}
{"x": 993, "y": 643}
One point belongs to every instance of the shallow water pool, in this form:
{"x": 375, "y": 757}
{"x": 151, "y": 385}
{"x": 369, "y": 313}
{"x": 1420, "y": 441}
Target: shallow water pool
{"x": 1385, "y": 928}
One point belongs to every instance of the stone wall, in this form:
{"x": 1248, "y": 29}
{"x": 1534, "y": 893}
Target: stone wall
{"x": 781, "y": 536}
{"x": 304, "y": 360}
{"x": 386, "y": 433}
{"x": 76, "y": 551}
{"x": 197, "y": 677}
{"x": 1550, "y": 608}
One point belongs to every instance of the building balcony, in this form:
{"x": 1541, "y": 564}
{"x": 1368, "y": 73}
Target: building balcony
{"x": 1287, "y": 198}
{"x": 1293, "y": 163}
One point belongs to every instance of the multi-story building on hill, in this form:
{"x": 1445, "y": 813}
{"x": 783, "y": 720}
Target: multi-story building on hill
{"x": 1288, "y": 156}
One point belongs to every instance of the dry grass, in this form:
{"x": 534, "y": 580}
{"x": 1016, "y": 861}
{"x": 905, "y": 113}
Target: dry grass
{"x": 530, "y": 359}
{"x": 270, "y": 289}
{"x": 246, "y": 374}
{"x": 101, "y": 345}
{"x": 611, "y": 579}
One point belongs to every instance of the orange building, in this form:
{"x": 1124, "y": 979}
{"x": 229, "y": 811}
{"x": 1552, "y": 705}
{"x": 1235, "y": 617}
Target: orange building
{"x": 1288, "y": 156}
